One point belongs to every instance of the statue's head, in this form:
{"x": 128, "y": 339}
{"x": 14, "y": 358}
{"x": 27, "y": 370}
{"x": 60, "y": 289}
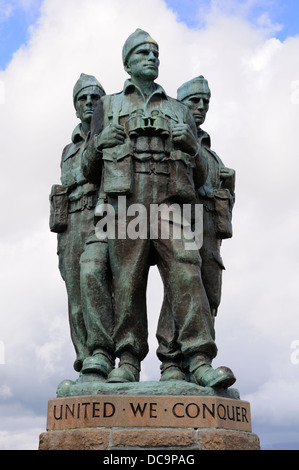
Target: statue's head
{"x": 140, "y": 55}
{"x": 86, "y": 93}
{"x": 196, "y": 95}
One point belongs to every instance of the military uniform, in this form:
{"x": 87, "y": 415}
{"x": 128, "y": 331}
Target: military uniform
{"x": 149, "y": 169}
{"x": 217, "y": 198}
{"x": 212, "y": 265}
{"x": 212, "y": 192}
{"x": 81, "y": 197}
{"x": 72, "y": 217}
{"x": 133, "y": 144}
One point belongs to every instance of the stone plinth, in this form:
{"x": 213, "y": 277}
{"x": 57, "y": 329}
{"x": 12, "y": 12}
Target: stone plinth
{"x": 127, "y": 421}
{"x": 148, "y": 439}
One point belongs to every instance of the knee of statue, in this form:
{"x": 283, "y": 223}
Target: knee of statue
{"x": 94, "y": 263}
{"x": 85, "y": 259}
{"x": 191, "y": 276}
{"x": 88, "y": 260}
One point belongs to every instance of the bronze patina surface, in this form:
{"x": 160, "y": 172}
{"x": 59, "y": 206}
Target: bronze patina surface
{"x": 139, "y": 172}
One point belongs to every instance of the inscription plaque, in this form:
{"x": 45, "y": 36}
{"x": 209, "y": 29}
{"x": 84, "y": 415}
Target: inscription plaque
{"x": 148, "y": 411}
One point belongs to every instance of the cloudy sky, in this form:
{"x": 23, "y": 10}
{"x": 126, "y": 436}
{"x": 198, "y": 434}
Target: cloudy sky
{"x": 249, "y": 52}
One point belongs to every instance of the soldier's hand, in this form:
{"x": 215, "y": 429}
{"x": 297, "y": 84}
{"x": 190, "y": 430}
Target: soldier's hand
{"x": 185, "y": 139}
{"x": 112, "y": 135}
{"x": 227, "y": 176}
{"x": 226, "y": 172}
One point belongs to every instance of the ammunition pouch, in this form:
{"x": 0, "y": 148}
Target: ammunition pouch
{"x": 181, "y": 183}
{"x": 58, "y": 208}
{"x": 223, "y": 210}
{"x": 118, "y": 170}
{"x": 149, "y": 145}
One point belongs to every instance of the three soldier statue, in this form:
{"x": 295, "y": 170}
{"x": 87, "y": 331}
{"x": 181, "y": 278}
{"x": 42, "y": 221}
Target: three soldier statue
{"x": 133, "y": 152}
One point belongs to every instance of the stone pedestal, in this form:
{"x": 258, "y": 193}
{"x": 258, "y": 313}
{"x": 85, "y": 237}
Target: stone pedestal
{"x": 146, "y": 439}
{"x": 144, "y": 417}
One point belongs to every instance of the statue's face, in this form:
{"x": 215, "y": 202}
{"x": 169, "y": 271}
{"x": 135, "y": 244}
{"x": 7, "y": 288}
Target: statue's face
{"x": 199, "y": 106}
{"x": 86, "y": 102}
{"x": 143, "y": 62}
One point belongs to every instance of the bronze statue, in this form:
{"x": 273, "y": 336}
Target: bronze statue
{"x": 217, "y": 194}
{"x": 72, "y": 212}
{"x": 144, "y": 147}
{"x": 217, "y": 197}
{"x": 142, "y": 152}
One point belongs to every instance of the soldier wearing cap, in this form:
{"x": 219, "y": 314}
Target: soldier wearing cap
{"x": 219, "y": 186}
{"x": 72, "y": 210}
{"x": 146, "y": 145}
{"x": 217, "y": 197}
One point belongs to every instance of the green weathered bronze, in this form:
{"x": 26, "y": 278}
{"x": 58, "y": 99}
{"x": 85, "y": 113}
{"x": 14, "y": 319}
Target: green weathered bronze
{"x": 145, "y": 148}
{"x": 72, "y": 217}
{"x": 217, "y": 196}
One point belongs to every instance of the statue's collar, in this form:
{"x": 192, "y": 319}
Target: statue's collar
{"x": 129, "y": 87}
{"x": 78, "y": 135}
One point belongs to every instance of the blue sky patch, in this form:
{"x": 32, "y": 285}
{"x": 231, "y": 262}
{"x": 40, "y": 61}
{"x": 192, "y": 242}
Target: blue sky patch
{"x": 14, "y": 28}
{"x": 284, "y": 13}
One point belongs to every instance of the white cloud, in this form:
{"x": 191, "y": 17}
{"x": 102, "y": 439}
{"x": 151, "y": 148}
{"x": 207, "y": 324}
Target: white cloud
{"x": 5, "y": 391}
{"x": 265, "y": 54}
{"x": 253, "y": 119}
{"x": 6, "y": 10}
{"x": 9, "y": 7}
{"x": 267, "y": 403}
{"x": 20, "y": 428}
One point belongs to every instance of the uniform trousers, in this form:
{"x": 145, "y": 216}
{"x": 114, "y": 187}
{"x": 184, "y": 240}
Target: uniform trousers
{"x": 180, "y": 270}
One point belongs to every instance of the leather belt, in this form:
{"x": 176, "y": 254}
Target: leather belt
{"x": 151, "y": 166}
{"x": 87, "y": 202}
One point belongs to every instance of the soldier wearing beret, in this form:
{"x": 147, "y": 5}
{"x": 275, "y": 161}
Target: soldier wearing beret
{"x": 217, "y": 196}
{"x": 72, "y": 211}
{"x": 146, "y": 147}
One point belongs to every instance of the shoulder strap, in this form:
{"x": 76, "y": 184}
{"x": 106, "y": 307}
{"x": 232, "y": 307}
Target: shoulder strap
{"x": 115, "y": 104}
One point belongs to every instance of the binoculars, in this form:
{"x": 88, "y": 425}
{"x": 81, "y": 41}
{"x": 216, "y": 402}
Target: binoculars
{"x": 155, "y": 124}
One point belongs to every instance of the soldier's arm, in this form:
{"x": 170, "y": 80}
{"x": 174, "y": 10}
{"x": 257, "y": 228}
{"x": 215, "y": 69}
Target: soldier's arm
{"x": 201, "y": 169}
{"x": 100, "y": 138}
{"x": 92, "y": 157}
{"x": 201, "y": 162}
